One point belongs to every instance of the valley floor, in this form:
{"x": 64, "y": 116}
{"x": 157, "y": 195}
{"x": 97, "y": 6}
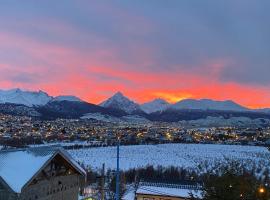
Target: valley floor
{"x": 198, "y": 157}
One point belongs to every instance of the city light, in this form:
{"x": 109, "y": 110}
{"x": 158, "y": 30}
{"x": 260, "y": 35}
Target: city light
{"x": 261, "y": 190}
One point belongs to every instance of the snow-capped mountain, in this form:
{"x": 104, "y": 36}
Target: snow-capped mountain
{"x": 31, "y": 98}
{"x": 208, "y": 104}
{"x": 18, "y": 96}
{"x": 119, "y": 107}
{"x": 263, "y": 110}
{"x": 120, "y": 102}
{"x": 66, "y": 98}
{"x": 155, "y": 106}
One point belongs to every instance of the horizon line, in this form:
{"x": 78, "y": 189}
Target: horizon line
{"x": 169, "y": 102}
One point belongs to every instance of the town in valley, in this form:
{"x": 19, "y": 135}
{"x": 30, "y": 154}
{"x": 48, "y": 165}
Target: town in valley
{"x": 135, "y": 100}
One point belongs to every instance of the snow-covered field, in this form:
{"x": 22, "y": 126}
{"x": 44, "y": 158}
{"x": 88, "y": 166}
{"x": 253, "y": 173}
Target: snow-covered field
{"x": 199, "y": 157}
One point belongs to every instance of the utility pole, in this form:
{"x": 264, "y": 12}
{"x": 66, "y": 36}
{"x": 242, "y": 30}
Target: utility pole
{"x": 117, "y": 172}
{"x": 103, "y": 182}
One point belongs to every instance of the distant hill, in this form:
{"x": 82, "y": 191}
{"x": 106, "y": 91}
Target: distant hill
{"x": 208, "y": 104}
{"x": 172, "y": 115}
{"x": 74, "y": 109}
{"x": 155, "y": 106}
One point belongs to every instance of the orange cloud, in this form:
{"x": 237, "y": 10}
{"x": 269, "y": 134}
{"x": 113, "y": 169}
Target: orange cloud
{"x": 94, "y": 76}
{"x": 172, "y": 97}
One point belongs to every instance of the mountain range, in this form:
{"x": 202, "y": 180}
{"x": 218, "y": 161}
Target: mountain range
{"x": 40, "y": 104}
{"x": 31, "y": 98}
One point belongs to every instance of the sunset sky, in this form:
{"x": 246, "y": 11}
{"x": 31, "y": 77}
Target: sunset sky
{"x": 147, "y": 49}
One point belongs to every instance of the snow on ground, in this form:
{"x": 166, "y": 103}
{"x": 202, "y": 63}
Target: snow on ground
{"x": 63, "y": 144}
{"x": 129, "y": 194}
{"x": 199, "y": 157}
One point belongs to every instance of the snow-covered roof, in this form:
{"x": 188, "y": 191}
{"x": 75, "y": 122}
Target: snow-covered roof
{"x": 171, "y": 190}
{"x": 17, "y": 167}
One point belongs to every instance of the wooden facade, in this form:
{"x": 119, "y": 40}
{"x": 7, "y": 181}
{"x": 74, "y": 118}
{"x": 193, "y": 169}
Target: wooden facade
{"x": 58, "y": 179}
{"x": 6, "y": 192}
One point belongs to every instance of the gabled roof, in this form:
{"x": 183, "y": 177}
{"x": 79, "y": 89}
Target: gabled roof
{"x": 18, "y": 167}
{"x": 172, "y": 190}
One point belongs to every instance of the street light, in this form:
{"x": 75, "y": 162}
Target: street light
{"x": 261, "y": 190}
{"x": 117, "y": 171}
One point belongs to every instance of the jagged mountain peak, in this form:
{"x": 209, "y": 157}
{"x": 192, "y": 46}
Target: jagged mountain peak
{"x": 155, "y": 105}
{"x": 121, "y": 102}
{"x": 31, "y": 98}
{"x": 24, "y": 97}
{"x": 119, "y": 94}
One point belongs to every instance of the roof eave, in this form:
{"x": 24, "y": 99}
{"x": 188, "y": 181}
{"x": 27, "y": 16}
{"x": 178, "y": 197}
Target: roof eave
{"x": 69, "y": 160}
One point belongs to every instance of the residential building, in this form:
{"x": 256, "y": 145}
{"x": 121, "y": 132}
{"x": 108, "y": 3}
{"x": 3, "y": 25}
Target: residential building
{"x": 44, "y": 173}
{"x": 163, "y": 191}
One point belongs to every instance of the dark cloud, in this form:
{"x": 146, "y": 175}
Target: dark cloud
{"x": 152, "y": 36}
{"x": 26, "y": 78}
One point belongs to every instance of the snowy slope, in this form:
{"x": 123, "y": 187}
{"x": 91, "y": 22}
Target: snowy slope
{"x": 119, "y": 101}
{"x": 221, "y": 121}
{"x": 66, "y": 98}
{"x": 28, "y": 98}
{"x": 109, "y": 118}
{"x": 31, "y": 98}
{"x": 155, "y": 105}
{"x": 208, "y": 104}
{"x": 199, "y": 157}
{"x": 101, "y": 117}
